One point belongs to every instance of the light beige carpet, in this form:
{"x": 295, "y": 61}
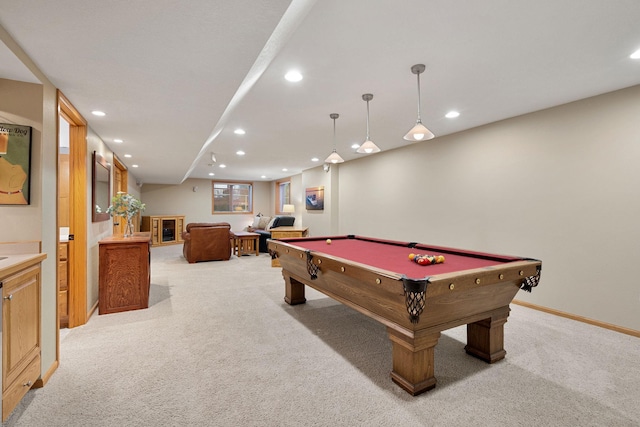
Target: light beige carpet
{"x": 219, "y": 347}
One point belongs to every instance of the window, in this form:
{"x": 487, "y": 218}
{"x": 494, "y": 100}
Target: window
{"x": 232, "y": 197}
{"x": 283, "y": 194}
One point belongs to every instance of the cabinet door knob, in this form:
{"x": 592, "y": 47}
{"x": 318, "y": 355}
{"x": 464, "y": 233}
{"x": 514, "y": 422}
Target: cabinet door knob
{"x": 9, "y": 297}
{"x": 27, "y": 384}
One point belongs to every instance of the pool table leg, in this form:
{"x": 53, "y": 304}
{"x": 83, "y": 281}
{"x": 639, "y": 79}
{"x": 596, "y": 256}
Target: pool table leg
{"x": 413, "y": 360}
{"x": 293, "y": 290}
{"x": 485, "y": 338}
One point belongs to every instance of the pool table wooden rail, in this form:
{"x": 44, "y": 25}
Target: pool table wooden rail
{"x": 373, "y": 290}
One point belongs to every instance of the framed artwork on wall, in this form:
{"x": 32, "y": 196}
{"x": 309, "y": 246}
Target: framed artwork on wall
{"x": 15, "y": 164}
{"x": 314, "y": 199}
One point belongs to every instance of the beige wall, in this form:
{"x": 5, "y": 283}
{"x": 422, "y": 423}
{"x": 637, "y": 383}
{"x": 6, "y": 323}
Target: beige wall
{"x": 325, "y": 222}
{"x": 161, "y": 199}
{"x": 561, "y": 185}
{"x": 297, "y": 200}
{"x": 49, "y": 178}
{"x": 21, "y": 103}
{"x": 97, "y": 231}
{"x": 35, "y": 105}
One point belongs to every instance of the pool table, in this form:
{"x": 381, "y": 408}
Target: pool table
{"x": 415, "y": 302}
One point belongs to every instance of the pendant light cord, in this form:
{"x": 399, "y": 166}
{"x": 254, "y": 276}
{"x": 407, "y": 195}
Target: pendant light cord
{"x": 367, "y": 120}
{"x": 334, "y": 134}
{"x": 419, "y": 119}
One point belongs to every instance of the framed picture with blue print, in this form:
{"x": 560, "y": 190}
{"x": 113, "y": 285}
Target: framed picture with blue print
{"x": 314, "y": 199}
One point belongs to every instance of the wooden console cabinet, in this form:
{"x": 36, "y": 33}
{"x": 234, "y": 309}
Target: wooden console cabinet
{"x": 164, "y": 229}
{"x": 125, "y": 273}
{"x": 20, "y": 329}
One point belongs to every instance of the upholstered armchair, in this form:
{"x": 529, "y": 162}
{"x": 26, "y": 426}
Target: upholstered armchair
{"x": 207, "y": 242}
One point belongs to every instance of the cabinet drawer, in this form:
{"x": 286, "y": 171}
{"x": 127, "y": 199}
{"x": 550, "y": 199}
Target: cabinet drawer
{"x": 62, "y": 251}
{"x": 63, "y": 276}
{"x": 63, "y": 303}
{"x": 15, "y": 391}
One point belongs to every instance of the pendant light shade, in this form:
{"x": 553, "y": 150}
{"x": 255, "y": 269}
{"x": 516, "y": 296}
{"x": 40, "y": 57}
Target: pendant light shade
{"x": 334, "y": 157}
{"x": 368, "y": 147}
{"x": 419, "y": 132}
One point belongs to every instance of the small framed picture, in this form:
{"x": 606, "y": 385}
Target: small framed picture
{"x": 314, "y": 199}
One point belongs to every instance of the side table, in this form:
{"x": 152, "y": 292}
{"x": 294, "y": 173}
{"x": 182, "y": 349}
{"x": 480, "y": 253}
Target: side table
{"x": 244, "y": 243}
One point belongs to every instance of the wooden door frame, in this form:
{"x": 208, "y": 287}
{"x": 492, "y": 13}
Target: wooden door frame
{"x": 77, "y": 284}
{"x": 124, "y": 186}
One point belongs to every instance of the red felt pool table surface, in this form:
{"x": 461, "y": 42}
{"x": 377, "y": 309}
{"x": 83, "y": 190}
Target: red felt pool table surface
{"x": 394, "y": 256}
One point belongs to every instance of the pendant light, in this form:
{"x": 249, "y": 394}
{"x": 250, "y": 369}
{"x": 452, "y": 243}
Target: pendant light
{"x": 367, "y": 147}
{"x": 334, "y": 157}
{"x": 419, "y": 132}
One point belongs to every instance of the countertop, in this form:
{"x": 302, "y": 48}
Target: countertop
{"x": 12, "y": 263}
{"x": 143, "y": 236}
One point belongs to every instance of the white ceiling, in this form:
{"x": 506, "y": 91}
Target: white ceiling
{"x": 176, "y": 78}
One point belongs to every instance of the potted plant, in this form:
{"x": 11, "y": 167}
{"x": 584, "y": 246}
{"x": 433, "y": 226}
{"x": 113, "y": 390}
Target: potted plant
{"x": 126, "y": 206}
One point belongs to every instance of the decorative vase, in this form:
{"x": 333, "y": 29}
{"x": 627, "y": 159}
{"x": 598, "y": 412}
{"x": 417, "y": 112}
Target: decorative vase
{"x": 128, "y": 229}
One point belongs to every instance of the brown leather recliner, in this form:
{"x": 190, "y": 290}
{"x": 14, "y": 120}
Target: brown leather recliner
{"x": 207, "y": 242}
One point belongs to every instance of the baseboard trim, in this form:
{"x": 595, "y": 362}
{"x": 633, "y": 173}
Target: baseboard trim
{"x": 93, "y": 310}
{"x": 622, "y": 330}
{"x": 40, "y": 382}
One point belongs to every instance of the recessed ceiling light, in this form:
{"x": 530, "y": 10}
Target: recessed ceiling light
{"x": 98, "y": 113}
{"x": 284, "y": 169}
{"x": 239, "y": 131}
{"x": 635, "y": 55}
{"x": 452, "y": 114}
{"x": 128, "y": 156}
{"x": 263, "y": 176}
{"x": 134, "y": 166}
{"x": 119, "y": 141}
{"x": 223, "y": 166}
{"x": 355, "y": 146}
{"x": 293, "y": 76}
{"x": 315, "y": 159}
{"x": 211, "y": 174}
{"x": 240, "y": 153}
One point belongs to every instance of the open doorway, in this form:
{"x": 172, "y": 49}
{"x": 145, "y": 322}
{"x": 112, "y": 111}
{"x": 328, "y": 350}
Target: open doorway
{"x": 72, "y": 215}
{"x": 63, "y": 221}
